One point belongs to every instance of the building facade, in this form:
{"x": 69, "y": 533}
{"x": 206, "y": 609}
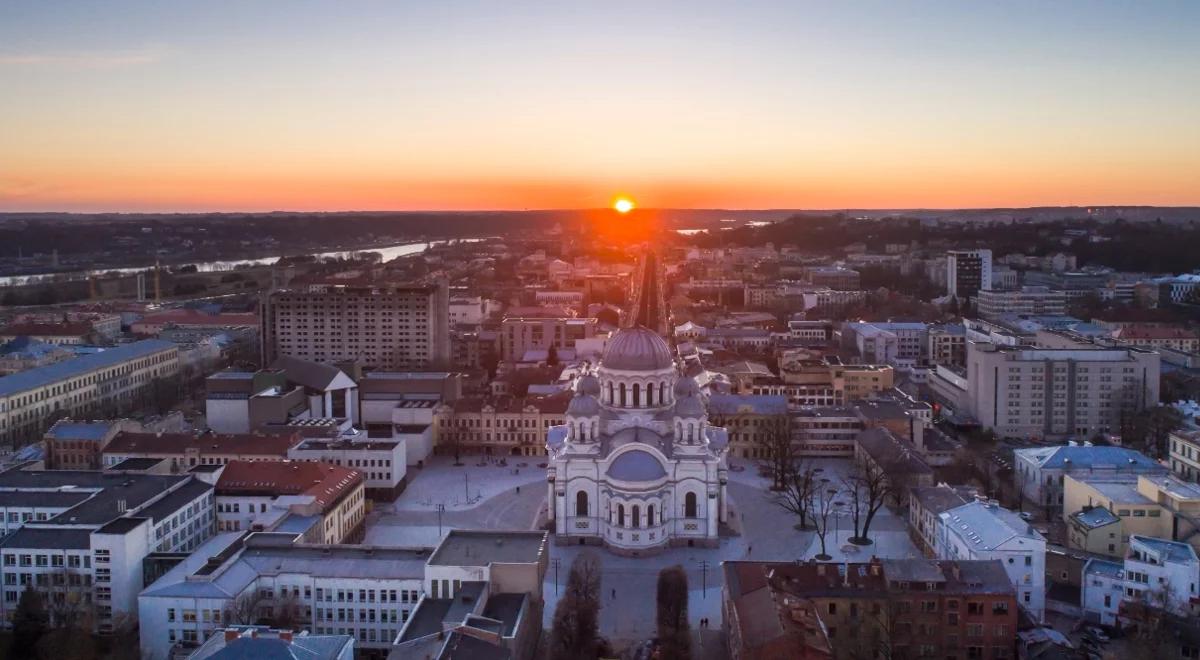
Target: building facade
{"x": 968, "y": 272}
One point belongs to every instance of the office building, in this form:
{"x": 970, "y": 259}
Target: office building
{"x": 380, "y": 326}
{"x": 1029, "y": 300}
{"x": 519, "y": 334}
{"x": 1104, "y": 510}
{"x": 252, "y": 496}
{"x": 103, "y": 384}
{"x": 968, "y": 272}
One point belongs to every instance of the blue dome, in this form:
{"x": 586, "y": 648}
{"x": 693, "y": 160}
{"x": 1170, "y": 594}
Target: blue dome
{"x": 588, "y": 384}
{"x": 584, "y": 405}
{"x": 689, "y": 406}
{"x": 636, "y": 465}
{"x": 637, "y": 349}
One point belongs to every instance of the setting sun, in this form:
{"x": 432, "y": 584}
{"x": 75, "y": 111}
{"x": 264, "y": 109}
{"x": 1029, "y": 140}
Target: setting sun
{"x": 623, "y": 205}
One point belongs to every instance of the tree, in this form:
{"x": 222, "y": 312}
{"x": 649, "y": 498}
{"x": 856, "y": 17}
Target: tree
{"x": 30, "y": 622}
{"x": 575, "y": 634}
{"x": 674, "y": 639}
{"x": 244, "y": 609}
{"x": 867, "y": 488}
{"x": 799, "y": 490}
{"x": 826, "y": 506}
{"x": 778, "y": 452}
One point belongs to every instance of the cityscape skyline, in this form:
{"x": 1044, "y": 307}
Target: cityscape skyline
{"x": 134, "y": 106}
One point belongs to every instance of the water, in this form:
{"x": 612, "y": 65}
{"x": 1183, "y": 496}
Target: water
{"x": 752, "y": 223}
{"x": 389, "y": 252}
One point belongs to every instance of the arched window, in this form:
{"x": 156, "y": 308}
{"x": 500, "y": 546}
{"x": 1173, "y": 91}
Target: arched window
{"x": 637, "y": 395}
{"x": 620, "y": 515}
{"x": 610, "y": 393}
{"x": 581, "y": 503}
{"x": 650, "y": 395}
{"x": 650, "y": 515}
{"x": 637, "y": 515}
{"x": 689, "y": 505}
{"x": 623, "y": 404}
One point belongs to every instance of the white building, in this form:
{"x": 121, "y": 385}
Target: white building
{"x": 1039, "y": 471}
{"x": 263, "y": 642}
{"x": 1156, "y": 573}
{"x": 364, "y": 591}
{"x": 383, "y": 463}
{"x": 88, "y": 533}
{"x": 1038, "y": 300}
{"x": 984, "y": 530}
{"x": 637, "y": 467}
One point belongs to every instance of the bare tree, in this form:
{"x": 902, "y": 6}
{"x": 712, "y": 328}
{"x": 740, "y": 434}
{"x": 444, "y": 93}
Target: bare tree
{"x": 245, "y": 608}
{"x": 800, "y": 487}
{"x": 826, "y": 504}
{"x": 777, "y": 450}
{"x": 867, "y": 488}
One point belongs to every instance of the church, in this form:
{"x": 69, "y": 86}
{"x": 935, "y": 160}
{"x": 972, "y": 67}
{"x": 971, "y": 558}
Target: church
{"x": 637, "y": 468}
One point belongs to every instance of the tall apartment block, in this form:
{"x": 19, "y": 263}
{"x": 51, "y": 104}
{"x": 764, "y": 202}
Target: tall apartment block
{"x": 968, "y": 272}
{"x": 378, "y": 326}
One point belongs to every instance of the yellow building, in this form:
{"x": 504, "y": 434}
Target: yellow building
{"x": 1159, "y": 506}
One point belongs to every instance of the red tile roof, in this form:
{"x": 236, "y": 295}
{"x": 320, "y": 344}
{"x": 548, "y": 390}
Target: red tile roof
{"x": 246, "y": 444}
{"x": 324, "y": 482}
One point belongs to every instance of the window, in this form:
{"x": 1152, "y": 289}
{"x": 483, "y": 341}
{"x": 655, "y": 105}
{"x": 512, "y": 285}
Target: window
{"x": 581, "y": 503}
{"x": 689, "y": 505}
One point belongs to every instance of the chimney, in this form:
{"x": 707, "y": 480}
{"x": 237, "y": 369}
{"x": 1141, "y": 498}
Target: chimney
{"x": 918, "y": 434}
{"x": 122, "y": 506}
{"x": 285, "y": 635}
{"x": 231, "y": 634}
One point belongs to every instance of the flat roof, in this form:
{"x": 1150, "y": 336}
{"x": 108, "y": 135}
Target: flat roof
{"x": 463, "y": 547}
{"x": 48, "y": 538}
{"x": 136, "y": 463}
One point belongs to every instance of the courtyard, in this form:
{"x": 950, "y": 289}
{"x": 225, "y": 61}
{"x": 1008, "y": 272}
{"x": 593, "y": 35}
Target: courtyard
{"x": 485, "y": 495}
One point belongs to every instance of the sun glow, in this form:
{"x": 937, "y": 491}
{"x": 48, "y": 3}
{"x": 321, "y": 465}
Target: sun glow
{"x": 623, "y": 205}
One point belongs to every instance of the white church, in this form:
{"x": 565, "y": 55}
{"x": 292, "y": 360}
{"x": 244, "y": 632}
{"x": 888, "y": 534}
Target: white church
{"x": 637, "y": 467}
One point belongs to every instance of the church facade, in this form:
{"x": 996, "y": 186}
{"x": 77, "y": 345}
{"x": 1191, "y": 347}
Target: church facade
{"x": 636, "y": 467}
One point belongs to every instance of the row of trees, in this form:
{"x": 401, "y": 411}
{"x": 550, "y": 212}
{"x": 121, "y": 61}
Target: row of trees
{"x": 575, "y": 631}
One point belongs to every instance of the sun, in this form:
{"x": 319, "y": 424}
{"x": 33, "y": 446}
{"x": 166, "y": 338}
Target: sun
{"x": 623, "y": 205}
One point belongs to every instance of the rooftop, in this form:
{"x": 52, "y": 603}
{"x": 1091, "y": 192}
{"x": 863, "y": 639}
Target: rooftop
{"x": 463, "y": 547}
{"x": 1084, "y": 457}
{"x": 54, "y": 373}
{"x": 984, "y": 526}
{"x": 324, "y": 482}
{"x": 172, "y": 444}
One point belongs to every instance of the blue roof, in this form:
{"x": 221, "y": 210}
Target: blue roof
{"x": 636, "y": 465}
{"x": 28, "y": 347}
{"x": 80, "y": 430}
{"x": 1103, "y": 567}
{"x": 309, "y": 647}
{"x": 1168, "y": 550}
{"x": 53, "y": 373}
{"x": 1082, "y": 456}
{"x": 1095, "y": 517}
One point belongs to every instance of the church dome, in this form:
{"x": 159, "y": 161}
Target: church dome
{"x": 588, "y": 384}
{"x": 689, "y": 406}
{"x": 583, "y": 405}
{"x": 637, "y": 349}
{"x": 636, "y": 465}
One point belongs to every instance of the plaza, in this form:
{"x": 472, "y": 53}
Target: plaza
{"x": 483, "y": 495}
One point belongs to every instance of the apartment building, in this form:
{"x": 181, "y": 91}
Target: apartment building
{"x": 947, "y": 345}
{"x": 1154, "y": 337}
{"x": 519, "y": 334}
{"x": 1184, "y": 453}
{"x": 926, "y": 504}
{"x": 913, "y": 607}
{"x": 993, "y": 304}
{"x": 1031, "y": 392}
{"x": 252, "y": 496}
{"x": 985, "y": 530}
{"x": 501, "y": 426}
{"x": 382, "y": 325}
{"x": 81, "y": 536}
{"x": 897, "y": 344}
{"x": 1155, "y": 575}
{"x": 1039, "y": 472}
{"x": 367, "y": 592}
{"x": 968, "y": 272}
{"x": 103, "y": 384}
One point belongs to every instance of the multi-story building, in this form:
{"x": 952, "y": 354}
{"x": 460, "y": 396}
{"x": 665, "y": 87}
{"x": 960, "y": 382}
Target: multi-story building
{"x": 1030, "y": 392}
{"x": 1150, "y": 336}
{"x": 382, "y": 463}
{"x": 968, "y": 272}
{"x": 263, "y": 642}
{"x": 1039, "y": 472}
{"x": 501, "y": 426}
{"x": 382, "y": 325}
{"x": 810, "y": 332}
{"x": 1155, "y": 574}
{"x": 834, "y": 277}
{"x": 826, "y": 430}
{"x": 80, "y": 537}
{"x": 521, "y": 334}
{"x": 101, "y": 384}
{"x": 911, "y": 607}
{"x": 366, "y": 592}
{"x": 1103, "y": 511}
{"x": 819, "y": 383}
{"x": 985, "y": 530}
{"x": 754, "y": 422}
{"x": 76, "y": 445}
{"x": 187, "y": 450}
{"x": 947, "y": 345}
{"x": 993, "y": 303}
{"x": 1184, "y": 453}
{"x": 23, "y": 354}
{"x": 483, "y": 597}
{"x": 252, "y": 495}
{"x": 897, "y": 344}
{"x": 60, "y": 334}
{"x": 926, "y": 504}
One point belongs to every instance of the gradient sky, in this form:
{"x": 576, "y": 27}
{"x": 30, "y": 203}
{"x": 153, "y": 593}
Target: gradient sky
{"x": 257, "y": 105}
